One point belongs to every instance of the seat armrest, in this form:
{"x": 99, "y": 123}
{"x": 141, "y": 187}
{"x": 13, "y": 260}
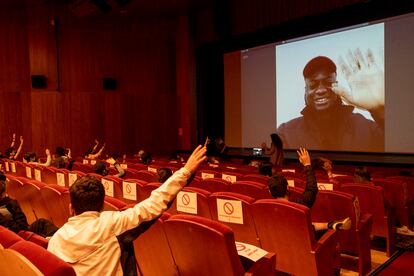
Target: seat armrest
{"x": 264, "y": 266}
{"x": 327, "y": 251}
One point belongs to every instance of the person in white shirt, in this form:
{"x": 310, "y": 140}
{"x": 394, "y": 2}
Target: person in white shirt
{"x": 88, "y": 241}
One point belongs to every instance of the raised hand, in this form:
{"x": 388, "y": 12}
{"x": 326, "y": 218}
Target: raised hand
{"x": 304, "y": 156}
{"x": 47, "y": 151}
{"x": 365, "y": 78}
{"x": 196, "y": 158}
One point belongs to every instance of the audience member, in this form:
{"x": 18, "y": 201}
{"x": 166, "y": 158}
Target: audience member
{"x": 61, "y": 158}
{"x": 146, "y": 158}
{"x": 88, "y": 241}
{"x": 278, "y": 189}
{"x": 114, "y": 160}
{"x": 163, "y": 174}
{"x": 91, "y": 152}
{"x": 11, "y": 152}
{"x": 275, "y": 151}
{"x": 362, "y": 175}
{"x": 11, "y": 215}
{"x": 266, "y": 168}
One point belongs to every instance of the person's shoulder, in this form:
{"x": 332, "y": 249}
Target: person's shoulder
{"x": 291, "y": 123}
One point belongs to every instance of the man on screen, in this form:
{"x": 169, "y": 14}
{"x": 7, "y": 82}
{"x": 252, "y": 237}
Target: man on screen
{"x": 326, "y": 122}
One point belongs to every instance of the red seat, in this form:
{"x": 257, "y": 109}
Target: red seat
{"x": 212, "y": 185}
{"x": 113, "y": 186}
{"x": 250, "y": 188}
{"x": 147, "y": 176}
{"x": 395, "y": 194}
{"x": 371, "y": 200}
{"x": 335, "y": 205}
{"x": 45, "y": 261}
{"x": 241, "y": 223}
{"x": 145, "y": 191}
{"x": 73, "y": 176}
{"x": 8, "y": 237}
{"x": 155, "y": 245}
{"x": 113, "y": 204}
{"x": 33, "y": 237}
{"x": 286, "y": 228}
{"x": 56, "y": 199}
{"x": 257, "y": 178}
{"x": 205, "y": 247}
{"x": 13, "y": 186}
{"x": 131, "y": 189}
{"x": 206, "y": 173}
{"x": 231, "y": 176}
{"x": 31, "y": 201}
{"x": 203, "y": 208}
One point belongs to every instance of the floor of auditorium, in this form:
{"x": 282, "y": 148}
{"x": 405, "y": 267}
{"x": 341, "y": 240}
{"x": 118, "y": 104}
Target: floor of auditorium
{"x": 377, "y": 259}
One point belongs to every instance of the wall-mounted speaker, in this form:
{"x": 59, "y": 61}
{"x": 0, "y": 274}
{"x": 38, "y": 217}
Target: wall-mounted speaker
{"x": 39, "y": 81}
{"x": 110, "y": 83}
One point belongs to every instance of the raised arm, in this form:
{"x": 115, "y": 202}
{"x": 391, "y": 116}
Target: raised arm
{"x": 20, "y": 148}
{"x": 308, "y": 197}
{"x": 158, "y": 202}
{"x": 96, "y": 155}
{"x": 13, "y": 140}
{"x": 95, "y": 147}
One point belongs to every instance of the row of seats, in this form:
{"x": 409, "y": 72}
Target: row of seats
{"x": 243, "y": 224}
{"x": 21, "y": 257}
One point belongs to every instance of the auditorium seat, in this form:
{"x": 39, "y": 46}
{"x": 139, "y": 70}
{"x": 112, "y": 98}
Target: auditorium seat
{"x": 231, "y": 176}
{"x": 203, "y": 208}
{"x": 212, "y": 185}
{"x": 286, "y": 228}
{"x": 208, "y": 173}
{"x": 45, "y": 261}
{"x": 13, "y": 186}
{"x": 250, "y": 188}
{"x": 396, "y": 194}
{"x": 33, "y": 237}
{"x": 132, "y": 195}
{"x": 147, "y": 176}
{"x": 49, "y": 176}
{"x": 13, "y": 263}
{"x": 335, "y": 205}
{"x": 257, "y": 178}
{"x": 205, "y": 247}
{"x": 152, "y": 251}
{"x": 56, "y": 199}
{"x": 146, "y": 190}
{"x": 113, "y": 204}
{"x": 8, "y": 237}
{"x": 240, "y": 221}
{"x": 31, "y": 202}
{"x": 113, "y": 186}
{"x": 73, "y": 176}
{"x": 85, "y": 168}
{"x": 371, "y": 201}
{"x": 344, "y": 179}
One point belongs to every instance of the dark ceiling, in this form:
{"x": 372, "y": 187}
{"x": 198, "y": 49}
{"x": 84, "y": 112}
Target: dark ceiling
{"x": 116, "y": 7}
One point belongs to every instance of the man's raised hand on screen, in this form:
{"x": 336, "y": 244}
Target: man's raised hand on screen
{"x": 365, "y": 78}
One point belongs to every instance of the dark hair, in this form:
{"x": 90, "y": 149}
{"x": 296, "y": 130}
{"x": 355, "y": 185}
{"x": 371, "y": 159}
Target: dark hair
{"x": 87, "y": 194}
{"x": 163, "y": 174}
{"x": 265, "y": 168}
{"x": 114, "y": 155}
{"x": 60, "y": 151}
{"x": 2, "y": 176}
{"x": 100, "y": 168}
{"x": 2, "y": 186}
{"x": 278, "y": 185}
{"x": 361, "y": 174}
{"x": 9, "y": 151}
{"x": 318, "y": 64}
{"x": 276, "y": 141}
{"x": 89, "y": 151}
{"x": 146, "y": 158}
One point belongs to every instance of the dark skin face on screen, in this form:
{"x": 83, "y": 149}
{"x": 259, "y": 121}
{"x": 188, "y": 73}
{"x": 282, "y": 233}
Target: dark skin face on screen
{"x": 318, "y": 91}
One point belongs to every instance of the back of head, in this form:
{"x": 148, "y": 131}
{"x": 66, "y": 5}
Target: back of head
{"x": 276, "y": 141}
{"x": 60, "y": 151}
{"x": 163, "y": 174}
{"x": 318, "y": 64}
{"x": 266, "y": 168}
{"x": 10, "y": 152}
{"x": 278, "y": 185}
{"x": 87, "y": 194}
{"x": 100, "y": 168}
{"x": 146, "y": 158}
{"x": 361, "y": 175}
